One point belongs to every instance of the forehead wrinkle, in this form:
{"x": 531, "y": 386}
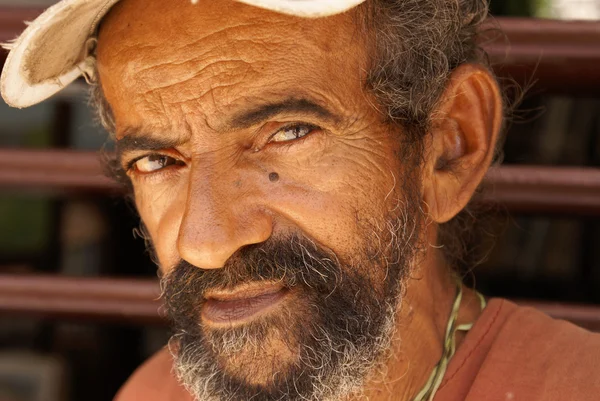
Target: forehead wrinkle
{"x": 184, "y": 81}
{"x": 211, "y": 67}
{"x": 191, "y": 54}
{"x": 175, "y": 64}
{"x": 228, "y": 69}
{"x": 252, "y": 34}
{"x": 194, "y": 50}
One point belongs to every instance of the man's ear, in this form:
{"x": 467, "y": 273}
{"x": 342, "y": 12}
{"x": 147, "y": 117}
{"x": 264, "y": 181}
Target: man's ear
{"x": 464, "y": 131}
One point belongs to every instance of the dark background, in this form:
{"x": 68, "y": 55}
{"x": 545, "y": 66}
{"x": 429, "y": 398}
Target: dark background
{"x": 553, "y": 257}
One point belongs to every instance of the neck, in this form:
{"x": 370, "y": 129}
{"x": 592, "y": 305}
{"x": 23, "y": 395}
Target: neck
{"x": 420, "y": 329}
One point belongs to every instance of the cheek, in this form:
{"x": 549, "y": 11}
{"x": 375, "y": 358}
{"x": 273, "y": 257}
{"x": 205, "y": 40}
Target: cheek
{"x": 161, "y": 210}
{"x": 328, "y": 195}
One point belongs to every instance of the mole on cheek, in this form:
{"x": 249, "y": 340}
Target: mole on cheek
{"x": 274, "y": 177}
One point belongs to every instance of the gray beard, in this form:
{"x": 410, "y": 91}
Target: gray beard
{"x": 330, "y": 381}
{"x": 339, "y": 331}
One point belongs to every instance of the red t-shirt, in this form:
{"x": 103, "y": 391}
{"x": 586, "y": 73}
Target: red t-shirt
{"x": 512, "y": 353}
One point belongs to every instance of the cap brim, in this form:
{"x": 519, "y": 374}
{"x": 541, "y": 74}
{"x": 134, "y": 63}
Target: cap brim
{"x": 52, "y": 52}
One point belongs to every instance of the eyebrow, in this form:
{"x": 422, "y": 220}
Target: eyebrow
{"x": 267, "y": 111}
{"x": 137, "y": 140}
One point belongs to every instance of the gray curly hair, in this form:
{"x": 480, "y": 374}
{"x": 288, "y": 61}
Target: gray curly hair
{"x": 414, "y": 45}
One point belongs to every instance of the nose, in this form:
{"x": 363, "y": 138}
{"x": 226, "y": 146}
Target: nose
{"x": 221, "y": 216}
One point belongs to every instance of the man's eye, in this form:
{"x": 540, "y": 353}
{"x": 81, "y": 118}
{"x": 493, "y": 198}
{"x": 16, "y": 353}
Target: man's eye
{"x": 292, "y": 132}
{"x": 152, "y": 163}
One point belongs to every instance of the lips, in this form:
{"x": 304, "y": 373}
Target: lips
{"x": 239, "y": 306}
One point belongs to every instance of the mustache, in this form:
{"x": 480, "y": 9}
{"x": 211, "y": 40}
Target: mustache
{"x": 291, "y": 261}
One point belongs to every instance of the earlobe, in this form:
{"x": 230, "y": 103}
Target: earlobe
{"x": 464, "y": 132}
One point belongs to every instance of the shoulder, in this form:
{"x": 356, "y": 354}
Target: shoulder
{"x": 537, "y": 357}
{"x": 530, "y": 333}
{"x": 154, "y": 381}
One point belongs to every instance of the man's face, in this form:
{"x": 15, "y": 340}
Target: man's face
{"x": 275, "y": 198}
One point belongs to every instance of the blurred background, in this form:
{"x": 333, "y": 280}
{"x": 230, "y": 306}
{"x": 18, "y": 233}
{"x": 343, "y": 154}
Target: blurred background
{"x": 78, "y": 310}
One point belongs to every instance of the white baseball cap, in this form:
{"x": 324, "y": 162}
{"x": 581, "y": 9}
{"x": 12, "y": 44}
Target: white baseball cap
{"x": 57, "y": 48}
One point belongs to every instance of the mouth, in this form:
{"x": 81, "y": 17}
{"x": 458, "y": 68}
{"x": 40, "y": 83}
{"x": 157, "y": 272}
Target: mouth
{"x": 241, "y": 305}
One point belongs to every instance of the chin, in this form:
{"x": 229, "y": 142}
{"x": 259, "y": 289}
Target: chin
{"x": 260, "y": 351}
{"x": 291, "y": 354}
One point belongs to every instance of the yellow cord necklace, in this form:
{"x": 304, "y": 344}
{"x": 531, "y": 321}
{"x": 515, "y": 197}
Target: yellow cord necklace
{"x": 437, "y": 375}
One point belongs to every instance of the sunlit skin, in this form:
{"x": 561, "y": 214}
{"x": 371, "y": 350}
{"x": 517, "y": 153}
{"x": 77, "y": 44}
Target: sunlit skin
{"x": 183, "y": 78}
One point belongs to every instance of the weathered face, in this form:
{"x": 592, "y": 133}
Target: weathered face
{"x": 271, "y": 190}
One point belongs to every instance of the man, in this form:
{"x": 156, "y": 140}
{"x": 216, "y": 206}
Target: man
{"x": 298, "y": 167}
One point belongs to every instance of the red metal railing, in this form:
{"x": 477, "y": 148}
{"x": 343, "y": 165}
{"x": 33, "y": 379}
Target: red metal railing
{"x": 556, "y": 56}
